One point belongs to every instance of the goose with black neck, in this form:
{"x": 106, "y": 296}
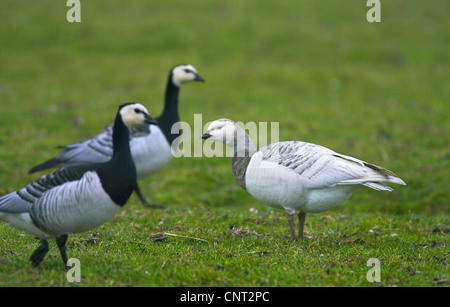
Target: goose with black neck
{"x": 150, "y": 145}
{"x": 78, "y": 198}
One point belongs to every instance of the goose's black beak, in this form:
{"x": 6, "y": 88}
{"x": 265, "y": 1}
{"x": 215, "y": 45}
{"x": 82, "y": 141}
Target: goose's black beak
{"x": 150, "y": 120}
{"x": 199, "y": 78}
{"x": 206, "y": 136}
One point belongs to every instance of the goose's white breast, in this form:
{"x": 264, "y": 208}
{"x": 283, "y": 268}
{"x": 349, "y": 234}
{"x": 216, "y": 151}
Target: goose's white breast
{"x": 151, "y": 152}
{"x": 274, "y": 185}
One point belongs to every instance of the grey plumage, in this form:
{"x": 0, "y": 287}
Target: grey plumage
{"x": 21, "y": 200}
{"x": 326, "y": 168}
{"x": 239, "y": 167}
{"x": 92, "y": 150}
{"x": 73, "y": 207}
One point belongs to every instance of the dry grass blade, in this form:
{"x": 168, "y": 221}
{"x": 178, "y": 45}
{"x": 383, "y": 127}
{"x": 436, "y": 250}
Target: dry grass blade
{"x": 157, "y": 237}
{"x": 187, "y": 237}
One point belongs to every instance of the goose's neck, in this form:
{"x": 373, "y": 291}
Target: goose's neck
{"x": 121, "y": 140}
{"x": 170, "y": 114}
{"x": 242, "y": 144}
{"x": 243, "y": 150}
{"x": 118, "y": 175}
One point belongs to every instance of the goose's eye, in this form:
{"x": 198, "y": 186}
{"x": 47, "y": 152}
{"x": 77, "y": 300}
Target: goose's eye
{"x": 188, "y": 71}
{"x": 137, "y": 111}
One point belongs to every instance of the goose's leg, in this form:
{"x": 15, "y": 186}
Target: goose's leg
{"x": 137, "y": 189}
{"x": 61, "y": 243}
{"x": 301, "y": 224}
{"x": 140, "y": 195}
{"x": 39, "y": 254}
{"x": 290, "y": 216}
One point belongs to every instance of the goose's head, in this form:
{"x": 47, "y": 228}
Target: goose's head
{"x": 221, "y": 130}
{"x": 135, "y": 114}
{"x": 184, "y": 73}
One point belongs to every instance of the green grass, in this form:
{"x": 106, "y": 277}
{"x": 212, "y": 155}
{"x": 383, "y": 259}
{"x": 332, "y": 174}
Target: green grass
{"x": 374, "y": 91}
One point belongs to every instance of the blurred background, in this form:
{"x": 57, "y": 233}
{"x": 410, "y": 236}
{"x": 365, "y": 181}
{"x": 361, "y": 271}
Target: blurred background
{"x": 376, "y": 91}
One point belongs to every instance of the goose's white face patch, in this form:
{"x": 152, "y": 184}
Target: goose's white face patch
{"x": 133, "y": 115}
{"x": 222, "y": 131}
{"x": 183, "y": 73}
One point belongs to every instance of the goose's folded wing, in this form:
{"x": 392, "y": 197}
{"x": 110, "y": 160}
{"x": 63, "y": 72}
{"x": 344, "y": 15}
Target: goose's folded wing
{"x": 93, "y": 150}
{"x": 23, "y": 199}
{"x": 326, "y": 168}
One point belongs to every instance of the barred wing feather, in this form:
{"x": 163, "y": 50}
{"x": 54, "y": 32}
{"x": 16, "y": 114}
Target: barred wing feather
{"x": 326, "y": 168}
{"x": 93, "y": 150}
{"x": 23, "y": 199}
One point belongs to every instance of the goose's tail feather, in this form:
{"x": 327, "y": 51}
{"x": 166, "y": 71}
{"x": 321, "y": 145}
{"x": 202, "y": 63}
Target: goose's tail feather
{"x": 52, "y": 163}
{"x": 373, "y": 177}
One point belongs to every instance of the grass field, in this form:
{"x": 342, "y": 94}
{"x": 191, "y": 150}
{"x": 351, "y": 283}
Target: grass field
{"x": 375, "y": 91}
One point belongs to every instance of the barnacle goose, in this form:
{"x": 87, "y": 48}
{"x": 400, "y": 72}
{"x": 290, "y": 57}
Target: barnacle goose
{"x": 296, "y": 175}
{"x": 150, "y": 145}
{"x": 78, "y": 198}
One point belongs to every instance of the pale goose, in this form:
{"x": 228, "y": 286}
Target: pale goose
{"x": 296, "y": 175}
{"x": 150, "y": 145}
{"x": 79, "y": 198}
